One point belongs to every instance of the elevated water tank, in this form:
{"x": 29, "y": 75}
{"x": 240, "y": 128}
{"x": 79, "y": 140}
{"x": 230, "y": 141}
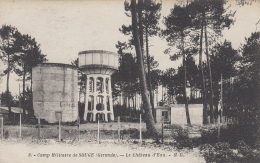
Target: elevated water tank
{"x": 98, "y": 65}
{"x": 98, "y": 62}
{"x": 55, "y": 89}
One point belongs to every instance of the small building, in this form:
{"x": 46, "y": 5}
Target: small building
{"x": 176, "y": 114}
{"x": 15, "y": 110}
{"x": 163, "y": 114}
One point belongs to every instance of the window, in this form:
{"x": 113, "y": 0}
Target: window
{"x": 100, "y": 116}
{"x": 100, "y": 86}
{"x": 107, "y": 87}
{"x": 90, "y": 117}
{"x": 90, "y": 103}
{"x": 91, "y": 84}
{"x": 100, "y": 103}
{"x": 165, "y": 115}
{"x": 109, "y": 117}
{"x": 108, "y": 104}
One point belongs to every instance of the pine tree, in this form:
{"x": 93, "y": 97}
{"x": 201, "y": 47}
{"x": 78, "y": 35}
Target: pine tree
{"x": 27, "y": 56}
{"x": 148, "y": 13}
{"x": 150, "y": 124}
{"x": 178, "y": 25}
{"x": 8, "y": 36}
{"x": 209, "y": 15}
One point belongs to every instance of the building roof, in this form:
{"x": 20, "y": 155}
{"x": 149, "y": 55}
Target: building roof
{"x": 183, "y": 105}
{"x": 162, "y": 107}
{"x": 17, "y": 110}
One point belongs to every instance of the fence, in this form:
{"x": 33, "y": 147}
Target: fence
{"x": 94, "y": 132}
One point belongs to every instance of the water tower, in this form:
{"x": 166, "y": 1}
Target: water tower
{"x": 98, "y": 65}
{"x": 55, "y": 90}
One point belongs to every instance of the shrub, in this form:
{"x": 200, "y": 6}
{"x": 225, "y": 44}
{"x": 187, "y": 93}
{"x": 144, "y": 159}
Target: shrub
{"x": 133, "y": 133}
{"x": 221, "y": 152}
{"x": 246, "y": 153}
{"x": 230, "y": 133}
{"x": 6, "y": 134}
{"x": 182, "y": 139}
{"x": 209, "y": 135}
{"x": 182, "y": 134}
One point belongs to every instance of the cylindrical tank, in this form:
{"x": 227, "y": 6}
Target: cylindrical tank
{"x": 55, "y": 89}
{"x": 98, "y": 62}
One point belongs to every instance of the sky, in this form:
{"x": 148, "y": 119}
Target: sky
{"x": 64, "y": 28}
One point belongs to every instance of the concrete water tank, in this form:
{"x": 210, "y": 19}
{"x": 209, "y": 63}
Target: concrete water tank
{"x": 55, "y": 89}
{"x": 98, "y": 66}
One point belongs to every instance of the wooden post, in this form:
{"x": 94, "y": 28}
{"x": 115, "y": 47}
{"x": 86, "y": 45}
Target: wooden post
{"x": 58, "y": 115}
{"x": 98, "y": 132}
{"x": 118, "y": 120}
{"x": 79, "y": 128}
{"x": 39, "y": 127}
{"x": 2, "y": 129}
{"x": 20, "y": 135}
{"x": 162, "y": 131}
{"x": 140, "y": 128}
{"x": 59, "y": 130}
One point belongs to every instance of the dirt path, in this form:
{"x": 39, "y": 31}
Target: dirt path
{"x": 12, "y": 151}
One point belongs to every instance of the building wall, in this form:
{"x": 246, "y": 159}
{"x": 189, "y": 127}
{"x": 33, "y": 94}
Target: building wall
{"x": 55, "y": 89}
{"x": 178, "y": 113}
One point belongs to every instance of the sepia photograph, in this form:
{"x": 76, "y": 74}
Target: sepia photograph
{"x": 107, "y": 81}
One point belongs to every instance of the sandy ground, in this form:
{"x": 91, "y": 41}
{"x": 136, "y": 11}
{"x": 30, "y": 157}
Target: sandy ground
{"x": 14, "y": 151}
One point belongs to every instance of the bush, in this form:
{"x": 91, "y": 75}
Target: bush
{"x": 221, "y": 152}
{"x": 182, "y": 139}
{"x": 234, "y": 133}
{"x": 133, "y": 133}
{"x": 248, "y": 154}
{"x": 182, "y": 134}
{"x": 172, "y": 126}
{"x": 209, "y": 135}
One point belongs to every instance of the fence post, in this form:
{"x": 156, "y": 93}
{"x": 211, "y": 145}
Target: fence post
{"x": 2, "y": 129}
{"x": 79, "y": 128}
{"x": 39, "y": 127}
{"x": 20, "y": 136}
{"x": 162, "y": 131}
{"x": 58, "y": 115}
{"x": 59, "y": 130}
{"x": 98, "y": 132}
{"x": 118, "y": 120}
{"x": 140, "y": 128}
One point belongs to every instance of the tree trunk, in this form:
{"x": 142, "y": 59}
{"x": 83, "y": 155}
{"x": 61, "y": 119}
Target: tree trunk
{"x": 150, "y": 124}
{"x": 31, "y": 98}
{"x": 162, "y": 95}
{"x": 149, "y": 71}
{"x": 203, "y": 87}
{"x": 141, "y": 33}
{"x": 7, "y": 82}
{"x": 210, "y": 76}
{"x": 185, "y": 82}
{"x": 23, "y": 99}
{"x": 221, "y": 98}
